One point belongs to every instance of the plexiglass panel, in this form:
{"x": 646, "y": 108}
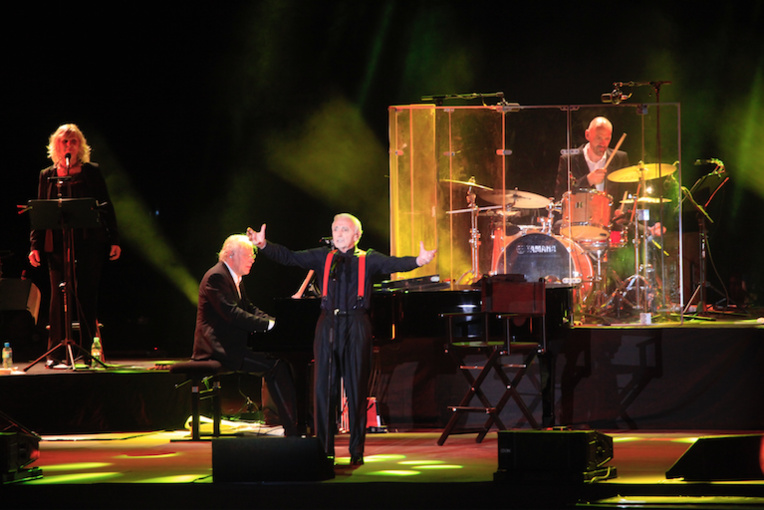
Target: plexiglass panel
{"x": 506, "y": 189}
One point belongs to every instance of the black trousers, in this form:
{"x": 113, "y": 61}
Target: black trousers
{"x": 343, "y": 353}
{"x": 82, "y": 292}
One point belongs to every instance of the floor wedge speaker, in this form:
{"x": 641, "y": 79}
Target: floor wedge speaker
{"x": 734, "y": 457}
{"x": 561, "y": 455}
{"x": 269, "y": 459}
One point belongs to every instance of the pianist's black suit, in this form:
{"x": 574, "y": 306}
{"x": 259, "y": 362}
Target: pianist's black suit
{"x": 224, "y": 322}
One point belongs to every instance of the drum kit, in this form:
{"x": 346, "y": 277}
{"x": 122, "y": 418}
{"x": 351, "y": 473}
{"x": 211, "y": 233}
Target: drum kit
{"x": 574, "y": 249}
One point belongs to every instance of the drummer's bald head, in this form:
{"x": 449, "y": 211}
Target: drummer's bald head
{"x": 600, "y": 122}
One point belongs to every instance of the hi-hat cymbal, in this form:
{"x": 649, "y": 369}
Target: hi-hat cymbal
{"x": 517, "y": 199}
{"x": 495, "y": 211}
{"x": 646, "y": 200}
{"x": 637, "y": 172}
{"x": 470, "y": 183}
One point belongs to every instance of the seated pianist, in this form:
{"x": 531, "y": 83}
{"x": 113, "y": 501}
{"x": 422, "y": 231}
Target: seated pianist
{"x": 225, "y": 318}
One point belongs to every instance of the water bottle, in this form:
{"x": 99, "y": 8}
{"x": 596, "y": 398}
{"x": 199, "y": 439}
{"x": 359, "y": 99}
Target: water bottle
{"x": 7, "y": 356}
{"x": 96, "y": 353}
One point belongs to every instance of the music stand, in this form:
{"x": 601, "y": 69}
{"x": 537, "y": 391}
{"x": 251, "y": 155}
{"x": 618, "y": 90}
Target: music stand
{"x": 65, "y": 214}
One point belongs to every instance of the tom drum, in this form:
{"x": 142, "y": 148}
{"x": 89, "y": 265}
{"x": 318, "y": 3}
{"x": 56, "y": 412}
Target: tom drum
{"x": 586, "y": 215}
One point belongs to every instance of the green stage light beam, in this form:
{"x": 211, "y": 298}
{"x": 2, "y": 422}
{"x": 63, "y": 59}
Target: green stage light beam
{"x": 138, "y": 227}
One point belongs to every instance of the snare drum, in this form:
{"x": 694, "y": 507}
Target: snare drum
{"x": 586, "y": 215}
{"x": 553, "y": 258}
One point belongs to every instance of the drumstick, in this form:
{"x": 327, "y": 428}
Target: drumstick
{"x": 625, "y": 195}
{"x": 607, "y": 163}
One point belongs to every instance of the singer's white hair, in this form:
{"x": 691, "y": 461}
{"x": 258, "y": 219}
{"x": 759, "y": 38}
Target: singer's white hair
{"x": 354, "y": 220}
{"x": 83, "y": 155}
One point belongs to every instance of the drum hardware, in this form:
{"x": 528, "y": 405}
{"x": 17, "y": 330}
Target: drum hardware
{"x": 547, "y": 222}
{"x": 625, "y": 299}
{"x": 642, "y": 293}
{"x": 473, "y": 275}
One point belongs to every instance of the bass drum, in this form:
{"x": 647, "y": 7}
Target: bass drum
{"x": 556, "y": 259}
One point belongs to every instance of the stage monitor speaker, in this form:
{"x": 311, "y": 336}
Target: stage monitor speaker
{"x": 17, "y": 451}
{"x": 19, "y": 295}
{"x": 562, "y": 455}
{"x": 735, "y": 457}
{"x": 269, "y": 459}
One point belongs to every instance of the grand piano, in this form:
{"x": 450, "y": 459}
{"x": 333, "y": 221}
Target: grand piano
{"x": 403, "y": 312}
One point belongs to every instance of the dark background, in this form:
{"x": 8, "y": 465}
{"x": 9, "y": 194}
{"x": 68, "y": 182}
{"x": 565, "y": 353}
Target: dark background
{"x": 192, "y": 109}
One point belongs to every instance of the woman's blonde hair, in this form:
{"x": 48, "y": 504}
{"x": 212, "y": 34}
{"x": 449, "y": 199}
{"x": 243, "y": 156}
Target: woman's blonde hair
{"x": 83, "y": 155}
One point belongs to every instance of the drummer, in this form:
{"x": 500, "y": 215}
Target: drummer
{"x": 587, "y": 165}
{"x": 587, "y": 169}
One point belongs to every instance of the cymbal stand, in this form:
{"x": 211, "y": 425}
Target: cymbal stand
{"x": 637, "y": 285}
{"x": 473, "y": 274}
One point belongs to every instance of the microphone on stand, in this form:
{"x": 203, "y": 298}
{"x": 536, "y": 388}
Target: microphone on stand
{"x": 719, "y": 170}
{"x": 68, "y": 158}
{"x": 615, "y": 97}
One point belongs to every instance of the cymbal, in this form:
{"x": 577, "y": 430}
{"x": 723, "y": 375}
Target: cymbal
{"x": 517, "y": 199}
{"x": 511, "y": 213}
{"x": 637, "y": 172}
{"x": 470, "y": 183}
{"x": 646, "y": 200}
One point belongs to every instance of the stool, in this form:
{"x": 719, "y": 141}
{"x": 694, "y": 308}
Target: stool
{"x": 197, "y": 372}
{"x": 503, "y": 300}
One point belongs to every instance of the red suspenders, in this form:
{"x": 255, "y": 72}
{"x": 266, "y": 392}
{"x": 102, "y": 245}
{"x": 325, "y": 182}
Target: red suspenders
{"x": 361, "y": 272}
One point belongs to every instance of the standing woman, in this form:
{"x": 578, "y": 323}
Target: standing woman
{"x": 72, "y": 175}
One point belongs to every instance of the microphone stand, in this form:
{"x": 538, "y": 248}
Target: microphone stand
{"x": 702, "y": 214}
{"x": 65, "y": 214}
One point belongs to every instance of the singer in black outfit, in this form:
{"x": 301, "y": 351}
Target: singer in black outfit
{"x": 342, "y": 345}
{"x": 225, "y": 318}
{"x": 72, "y": 175}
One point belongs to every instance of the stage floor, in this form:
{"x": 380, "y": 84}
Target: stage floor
{"x": 154, "y": 467}
{"x": 402, "y": 470}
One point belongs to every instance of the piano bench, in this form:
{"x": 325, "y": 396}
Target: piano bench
{"x": 197, "y": 372}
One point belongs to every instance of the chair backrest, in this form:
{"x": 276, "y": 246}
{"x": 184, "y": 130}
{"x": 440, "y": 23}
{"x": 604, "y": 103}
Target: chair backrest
{"x": 501, "y": 295}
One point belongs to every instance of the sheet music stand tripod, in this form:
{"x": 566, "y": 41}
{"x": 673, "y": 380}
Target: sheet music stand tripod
{"x": 65, "y": 214}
